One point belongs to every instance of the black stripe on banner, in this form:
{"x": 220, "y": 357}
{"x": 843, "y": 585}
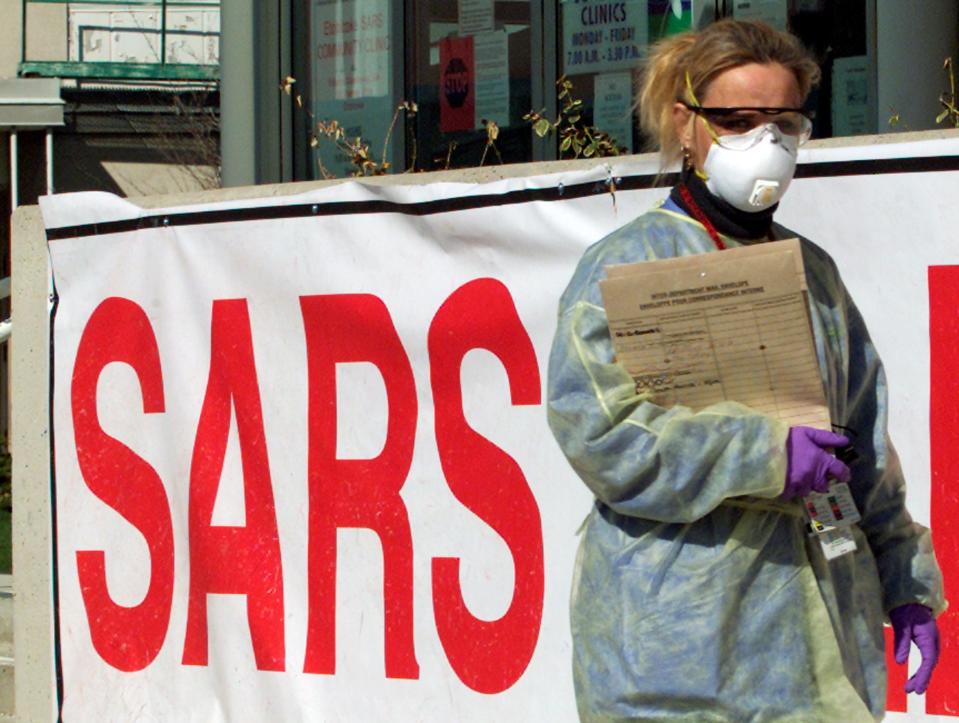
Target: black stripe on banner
{"x": 878, "y": 166}
{"x": 342, "y": 208}
{"x": 465, "y": 203}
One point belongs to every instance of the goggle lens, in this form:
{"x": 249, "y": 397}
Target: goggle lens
{"x": 790, "y": 123}
{"x": 727, "y": 122}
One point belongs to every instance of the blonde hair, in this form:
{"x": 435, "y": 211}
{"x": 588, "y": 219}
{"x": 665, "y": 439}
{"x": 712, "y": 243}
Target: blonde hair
{"x": 704, "y": 54}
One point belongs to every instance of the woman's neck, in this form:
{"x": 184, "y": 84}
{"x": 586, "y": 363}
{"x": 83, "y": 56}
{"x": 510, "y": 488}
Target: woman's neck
{"x": 727, "y": 219}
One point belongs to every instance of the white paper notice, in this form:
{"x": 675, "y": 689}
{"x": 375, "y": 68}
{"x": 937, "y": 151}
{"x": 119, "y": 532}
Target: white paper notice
{"x": 351, "y": 55}
{"x": 491, "y": 58}
{"x": 612, "y": 107}
{"x": 774, "y": 12}
{"x": 475, "y": 16}
{"x": 351, "y": 73}
{"x": 850, "y": 96}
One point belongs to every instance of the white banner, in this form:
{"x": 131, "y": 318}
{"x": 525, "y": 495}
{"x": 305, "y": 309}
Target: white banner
{"x": 302, "y": 465}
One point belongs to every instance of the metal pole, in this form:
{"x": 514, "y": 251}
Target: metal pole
{"x": 539, "y": 82}
{"x": 23, "y": 31}
{"x": 238, "y": 70}
{"x": 49, "y": 154}
{"x": 163, "y": 33}
{"x": 14, "y": 195}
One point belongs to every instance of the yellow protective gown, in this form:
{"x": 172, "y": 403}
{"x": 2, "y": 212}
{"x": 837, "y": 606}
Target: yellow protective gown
{"x": 698, "y": 594}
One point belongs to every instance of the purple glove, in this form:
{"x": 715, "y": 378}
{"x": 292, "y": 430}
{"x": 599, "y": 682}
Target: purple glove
{"x": 914, "y": 623}
{"x": 810, "y": 463}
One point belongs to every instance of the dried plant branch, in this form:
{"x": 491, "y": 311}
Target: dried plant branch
{"x": 492, "y": 133}
{"x": 451, "y": 146}
{"x": 355, "y": 148}
{"x": 575, "y": 136}
{"x": 186, "y": 136}
{"x": 948, "y": 100}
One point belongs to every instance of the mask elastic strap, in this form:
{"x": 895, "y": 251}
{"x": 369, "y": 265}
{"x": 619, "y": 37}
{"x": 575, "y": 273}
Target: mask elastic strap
{"x": 709, "y": 129}
{"x": 692, "y": 97}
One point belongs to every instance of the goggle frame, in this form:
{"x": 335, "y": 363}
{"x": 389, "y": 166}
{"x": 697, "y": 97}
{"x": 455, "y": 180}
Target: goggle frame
{"x": 764, "y": 116}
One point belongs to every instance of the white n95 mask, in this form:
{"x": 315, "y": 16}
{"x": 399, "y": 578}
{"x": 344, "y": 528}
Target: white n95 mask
{"x": 751, "y": 171}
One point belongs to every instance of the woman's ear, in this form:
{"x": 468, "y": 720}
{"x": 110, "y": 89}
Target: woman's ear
{"x": 682, "y": 125}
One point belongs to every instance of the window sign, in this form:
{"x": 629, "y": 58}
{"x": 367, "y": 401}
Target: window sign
{"x": 457, "y": 84}
{"x": 438, "y": 31}
{"x": 352, "y": 54}
{"x": 850, "y": 97}
{"x": 351, "y": 74}
{"x": 474, "y": 81}
{"x": 599, "y": 37}
{"x": 773, "y": 12}
{"x": 612, "y": 107}
{"x": 491, "y": 54}
{"x": 475, "y": 16}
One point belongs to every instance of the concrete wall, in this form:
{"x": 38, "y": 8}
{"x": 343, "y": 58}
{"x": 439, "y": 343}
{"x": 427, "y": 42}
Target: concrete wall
{"x": 10, "y": 37}
{"x": 33, "y": 620}
{"x": 913, "y": 40}
{"x": 46, "y": 31}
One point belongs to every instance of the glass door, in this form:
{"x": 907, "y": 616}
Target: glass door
{"x": 470, "y": 69}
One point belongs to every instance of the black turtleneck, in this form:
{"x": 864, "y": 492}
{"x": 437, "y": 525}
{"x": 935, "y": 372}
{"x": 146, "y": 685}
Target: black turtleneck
{"x": 727, "y": 219}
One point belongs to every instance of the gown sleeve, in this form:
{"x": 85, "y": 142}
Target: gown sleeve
{"x": 641, "y": 459}
{"x": 908, "y": 571}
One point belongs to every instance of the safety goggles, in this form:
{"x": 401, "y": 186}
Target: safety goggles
{"x": 732, "y": 127}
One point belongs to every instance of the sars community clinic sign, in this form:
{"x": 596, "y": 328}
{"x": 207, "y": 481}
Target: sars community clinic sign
{"x": 302, "y": 466}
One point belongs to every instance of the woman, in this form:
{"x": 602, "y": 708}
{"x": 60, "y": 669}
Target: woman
{"x": 698, "y": 593}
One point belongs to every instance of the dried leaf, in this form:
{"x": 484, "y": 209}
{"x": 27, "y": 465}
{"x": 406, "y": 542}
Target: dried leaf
{"x": 541, "y": 127}
{"x": 287, "y": 84}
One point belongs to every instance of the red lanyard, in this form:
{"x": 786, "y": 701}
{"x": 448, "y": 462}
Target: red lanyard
{"x": 701, "y": 217}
